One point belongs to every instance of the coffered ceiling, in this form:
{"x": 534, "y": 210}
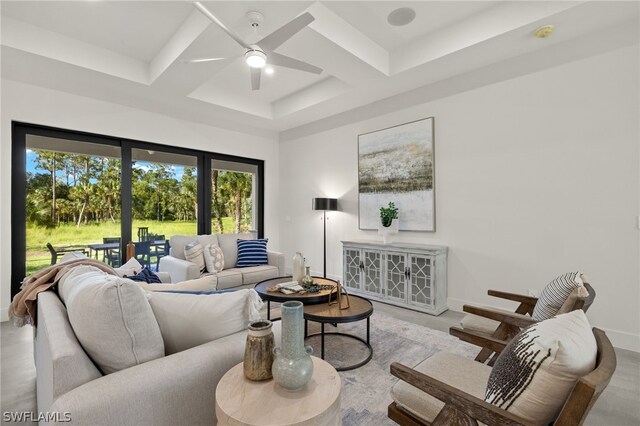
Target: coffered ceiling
{"x": 134, "y": 53}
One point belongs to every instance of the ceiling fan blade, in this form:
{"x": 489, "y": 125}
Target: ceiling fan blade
{"x": 219, "y": 23}
{"x": 255, "y": 78}
{"x": 285, "y": 32}
{"x": 199, "y": 60}
{"x": 285, "y": 61}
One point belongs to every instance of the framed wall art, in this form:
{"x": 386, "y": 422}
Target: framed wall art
{"x": 396, "y": 165}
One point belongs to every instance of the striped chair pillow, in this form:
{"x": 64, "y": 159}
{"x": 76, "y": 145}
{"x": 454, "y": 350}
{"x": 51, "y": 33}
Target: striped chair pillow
{"x": 252, "y": 253}
{"x": 556, "y": 293}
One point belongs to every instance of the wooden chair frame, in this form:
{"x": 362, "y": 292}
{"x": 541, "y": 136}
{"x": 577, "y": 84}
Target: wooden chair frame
{"x": 510, "y": 323}
{"x": 462, "y": 408}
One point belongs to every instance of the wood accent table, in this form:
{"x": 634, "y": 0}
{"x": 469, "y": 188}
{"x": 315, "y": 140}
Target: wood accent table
{"x": 307, "y": 299}
{"x": 240, "y": 401}
{"x": 359, "y": 309}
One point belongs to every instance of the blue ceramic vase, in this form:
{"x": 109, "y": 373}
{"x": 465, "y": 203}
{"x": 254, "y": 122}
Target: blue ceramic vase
{"x": 292, "y": 366}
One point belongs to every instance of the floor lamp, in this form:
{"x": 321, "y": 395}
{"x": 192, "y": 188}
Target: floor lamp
{"x": 325, "y": 204}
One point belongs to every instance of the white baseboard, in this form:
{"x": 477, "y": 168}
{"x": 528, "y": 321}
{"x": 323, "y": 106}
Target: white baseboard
{"x": 619, "y": 339}
{"x": 4, "y": 314}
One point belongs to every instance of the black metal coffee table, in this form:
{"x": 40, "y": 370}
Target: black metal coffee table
{"x": 359, "y": 309}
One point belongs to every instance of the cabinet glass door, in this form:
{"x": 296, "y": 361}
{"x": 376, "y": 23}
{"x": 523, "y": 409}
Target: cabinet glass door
{"x": 396, "y": 276}
{"x": 421, "y": 280}
{"x": 372, "y": 271}
{"x": 352, "y": 270}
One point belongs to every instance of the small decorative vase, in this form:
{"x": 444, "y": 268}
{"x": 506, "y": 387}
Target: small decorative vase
{"x": 258, "y": 352}
{"x": 387, "y": 231}
{"x": 298, "y": 267}
{"x": 292, "y": 368}
{"x": 307, "y": 279}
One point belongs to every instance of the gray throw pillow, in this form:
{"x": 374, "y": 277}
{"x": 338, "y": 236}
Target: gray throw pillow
{"x": 112, "y": 320}
{"x": 556, "y": 293}
{"x": 194, "y": 253}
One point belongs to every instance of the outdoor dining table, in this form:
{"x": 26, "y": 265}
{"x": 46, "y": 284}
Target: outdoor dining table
{"x": 98, "y": 247}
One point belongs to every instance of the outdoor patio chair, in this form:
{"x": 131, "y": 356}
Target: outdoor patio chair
{"x": 111, "y": 256}
{"x": 143, "y": 253}
{"x": 58, "y": 250}
{"x": 158, "y": 251}
{"x": 492, "y": 329}
{"x": 143, "y": 233}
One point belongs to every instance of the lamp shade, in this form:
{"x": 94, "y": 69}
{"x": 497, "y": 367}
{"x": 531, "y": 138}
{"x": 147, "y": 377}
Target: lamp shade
{"x": 325, "y": 204}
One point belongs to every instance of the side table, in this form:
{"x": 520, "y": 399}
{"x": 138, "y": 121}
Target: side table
{"x": 240, "y": 401}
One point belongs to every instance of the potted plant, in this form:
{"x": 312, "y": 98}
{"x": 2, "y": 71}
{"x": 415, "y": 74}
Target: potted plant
{"x": 388, "y": 222}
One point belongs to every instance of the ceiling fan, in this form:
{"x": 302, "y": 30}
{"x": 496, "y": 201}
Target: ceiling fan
{"x": 262, "y": 53}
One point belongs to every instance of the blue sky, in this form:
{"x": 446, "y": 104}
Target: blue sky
{"x": 32, "y": 166}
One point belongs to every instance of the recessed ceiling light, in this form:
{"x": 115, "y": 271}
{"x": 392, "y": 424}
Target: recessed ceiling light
{"x": 544, "y": 31}
{"x": 268, "y": 70}
{"x": 401, "y": 16}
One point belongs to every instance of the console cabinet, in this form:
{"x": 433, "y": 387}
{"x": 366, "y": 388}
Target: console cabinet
{"x": 409, "y": 275}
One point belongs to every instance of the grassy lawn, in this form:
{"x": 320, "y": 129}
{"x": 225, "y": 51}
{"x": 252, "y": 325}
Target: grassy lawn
{"x": 67, "y": 234}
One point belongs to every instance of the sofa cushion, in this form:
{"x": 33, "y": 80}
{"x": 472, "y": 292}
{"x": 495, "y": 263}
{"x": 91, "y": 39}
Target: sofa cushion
{"x": 461, "y": 373}
{"x": 556, "y": 293}
{"x": 252, "y": 253}
{"x": 255, "y": 274}
{"x": 188, "y": 320}
{"x": 478, "y": 323}
{"x": 204, "y": 283}
{"x": 213, "y": 258}
{"x": 229, "y": 245}
{"x": 535, "y": 373}
{"x": 194, "y": 253}
{"x": 229, "y": 278}
{"x": 112, "y": 319}
{"x": 177, "y": 243}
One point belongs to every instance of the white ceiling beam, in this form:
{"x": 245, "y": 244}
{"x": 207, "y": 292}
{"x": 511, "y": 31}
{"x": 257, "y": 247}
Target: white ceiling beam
{"x": 484, "y": 26}
{"x": 334, "y": 28}
{"x": 22, "y": 36}
{"x": 318, "y": 92}
{"x": 188, "y": 32}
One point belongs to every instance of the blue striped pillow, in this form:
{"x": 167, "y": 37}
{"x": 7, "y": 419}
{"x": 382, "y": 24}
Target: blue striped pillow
{"x": 252, "y": 253}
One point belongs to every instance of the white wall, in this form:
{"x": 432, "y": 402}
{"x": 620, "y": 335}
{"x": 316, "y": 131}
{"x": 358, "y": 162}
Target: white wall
{"x": 535, "y": 176}
{"x": 31, "y": 104}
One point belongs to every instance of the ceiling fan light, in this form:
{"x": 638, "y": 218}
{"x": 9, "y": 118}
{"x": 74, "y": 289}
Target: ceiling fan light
{"x": 255, "y": 58}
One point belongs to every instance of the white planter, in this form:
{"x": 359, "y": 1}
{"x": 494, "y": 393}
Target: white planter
{"x": 388, "y": 231}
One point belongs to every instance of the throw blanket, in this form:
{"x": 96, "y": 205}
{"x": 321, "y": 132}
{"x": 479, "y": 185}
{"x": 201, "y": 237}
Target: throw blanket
{"x": 23, "y": 308}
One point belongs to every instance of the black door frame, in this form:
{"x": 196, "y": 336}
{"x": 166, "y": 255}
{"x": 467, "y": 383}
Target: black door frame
{"x": 19, "y": 132}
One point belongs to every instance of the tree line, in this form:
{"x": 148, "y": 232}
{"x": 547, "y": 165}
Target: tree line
{"x": 81, "y": 189}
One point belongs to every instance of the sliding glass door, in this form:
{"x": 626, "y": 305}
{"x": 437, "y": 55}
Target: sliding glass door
{"x": 76, "y": 191}
{"x": 72, "y": 200}
{"x": 233, "y": 197}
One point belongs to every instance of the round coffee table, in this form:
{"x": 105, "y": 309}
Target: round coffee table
{"x": 240, "y": 401}
{"x": 307, "y": 298}
{"x": 359, "y": 309}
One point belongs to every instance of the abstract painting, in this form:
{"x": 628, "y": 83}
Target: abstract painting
{"x": 397, "y": 164}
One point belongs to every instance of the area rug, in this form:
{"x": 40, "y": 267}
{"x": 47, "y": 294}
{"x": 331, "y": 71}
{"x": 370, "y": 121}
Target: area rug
{"x": 365, "y": 391}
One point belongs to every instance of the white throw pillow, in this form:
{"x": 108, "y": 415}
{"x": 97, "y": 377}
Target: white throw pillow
{"x": 193, "y": 252}
{"x": 535, "y": 373}
{"x": 112, "y": 320}
{"x": 188, "y": 320}
{"x": 213, "y": 258}
{"x": 130, "y": 268}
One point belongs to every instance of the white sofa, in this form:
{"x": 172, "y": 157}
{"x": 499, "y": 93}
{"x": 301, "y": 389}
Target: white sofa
{"x": 230, "y": 277}
{"x": 177, "y": 389}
